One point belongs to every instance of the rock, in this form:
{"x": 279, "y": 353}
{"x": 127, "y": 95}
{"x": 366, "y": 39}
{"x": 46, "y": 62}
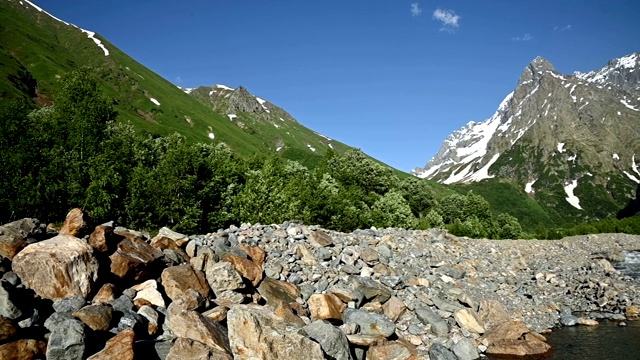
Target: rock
{"x": 256, "y": 254}
{"x": 428, "y": 317}
{"x": 587, "y": 322}
{"x": 366, "y": 340}
{"x": 69, "y": 304}
{"x": 192, "y": 325}
{"x": 134, "y": 260}
{"x": 325, "y": 307}
{"x": 177, "y": 279}
{"x": 394, "y": 308}
{"x": 119, "y": 347}
{"x": 632, "y": 311}
{"x": 492, "y": 313}
{"x": 57, "y": 268}
{"x": 184, "y": 349}
{"x": 148, "y": 291}
{"x": 74, "y": 224}
{"x": 391, "y": 351}
{"x": 606, "y": 266}
{"x": 217, "y": 314}
{"x": 67, "y": 341}
{"x": 319, "y": 238}
{"x": 7, "y": 329}
{"x": 11, "y": 242}
{"x": 278, "y": 292}
{"x": 513, "y": 348}
{"x": 465, "y": 349}
{"x": 23, "y": 350}
{"x": 152, "y": 317}
{"x": 372, "y": 290}
{"x": 105, "y": 295}
{"x": 179, "y": 239}
{"x": 568, "y": 320}
{"x": 469, "y": 320}
{"x": 347, "y": 294}
{"x": 103, "y": 239}
{"x": 333, "y": 342}
{"x": 7, "y": 308}
{"x": 97, "y": 317}
{"x": 510, "y": 330}
{"x": 441, "y": 352}
{"x": 223, "y": 276}
{"x": 30, "y": 321}
{"x": 257, "y": 333}
{"x": 246, "y": 268}
{"x": 370, "y": 324}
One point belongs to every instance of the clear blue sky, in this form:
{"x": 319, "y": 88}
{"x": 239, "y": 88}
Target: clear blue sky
{"x": 391, "y": 77}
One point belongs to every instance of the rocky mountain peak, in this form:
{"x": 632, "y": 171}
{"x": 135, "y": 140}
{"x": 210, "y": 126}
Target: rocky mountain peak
{"x": 540, "y": 64}
{"x": 535, "y": 70}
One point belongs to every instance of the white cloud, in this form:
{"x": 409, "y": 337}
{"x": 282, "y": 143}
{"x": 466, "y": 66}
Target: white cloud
{"x": 448, "y": 17}
{"x": 525, "y": 37}
{"x": 562, "y": 28}
{"x": 415, "y": 9}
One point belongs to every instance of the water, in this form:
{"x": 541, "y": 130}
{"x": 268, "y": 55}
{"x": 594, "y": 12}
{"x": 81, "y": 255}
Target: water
{"x": 631, "y": 264}
{"x": 607, "y": 341}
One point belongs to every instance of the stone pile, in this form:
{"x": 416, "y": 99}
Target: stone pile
{"x": 292, "y": 291}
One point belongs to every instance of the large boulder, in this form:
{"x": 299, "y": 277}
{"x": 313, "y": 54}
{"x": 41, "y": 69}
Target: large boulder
{"x": 57, "y": 268}
{"x": 23, "y": 350}
{"x": 513, "y": 338}
{"x": 67, "y": 341}
{"x": 333, "y": 341}
{"x": 74, "y": 224}
{"x": 257, "y": 333}
{"x": 193, "y": 350}
{"x": 326, "y": 307}
{"x": 186, "y": 323}
{"x": 177, "y": 279}
{"x": 119, "y": 347}
{"x": 134, "y": 259}
{"x": 369, "y": 323}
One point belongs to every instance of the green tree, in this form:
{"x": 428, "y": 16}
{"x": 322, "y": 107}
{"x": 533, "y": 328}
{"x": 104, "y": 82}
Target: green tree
{"x": 508, "y": 227}
{"x": 419, "y": 195}
{"x": 392, "y": 210}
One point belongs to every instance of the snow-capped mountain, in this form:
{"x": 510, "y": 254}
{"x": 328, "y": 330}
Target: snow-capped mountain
{"x": 556, "y": 136}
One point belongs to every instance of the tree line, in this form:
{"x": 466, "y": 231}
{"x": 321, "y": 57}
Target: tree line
{"x": 75, "y": 154}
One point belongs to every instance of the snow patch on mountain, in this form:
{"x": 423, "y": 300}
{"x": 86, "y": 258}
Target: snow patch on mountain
{"x": 571, "y": 198}
{"x": 91, "y": 36}
{"x": 625, "y": 103}
{"x": 223, "y": 87}
{"x": 528, "y": 187}
{"x": 232, "y": 116}
{"x": 155, "y": 101}
{"x": 561, "y": 148}
{"x": 261, "y": 102}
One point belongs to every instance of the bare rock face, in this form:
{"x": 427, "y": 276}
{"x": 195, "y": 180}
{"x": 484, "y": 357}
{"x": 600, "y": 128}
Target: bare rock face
{"x": 57, "y": 268}
{"x": 257, "y": 333}
{"x": 74, "y": 224}
{"x": 119, "y": 347}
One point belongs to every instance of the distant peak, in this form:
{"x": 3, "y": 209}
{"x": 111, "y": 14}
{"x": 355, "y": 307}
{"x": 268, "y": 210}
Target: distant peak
{"x": 242, "y": 90}
{"x": 540, "y": 64}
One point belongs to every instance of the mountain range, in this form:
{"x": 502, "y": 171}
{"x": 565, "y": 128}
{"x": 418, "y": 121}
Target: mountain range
{"x": 570, "y": 142}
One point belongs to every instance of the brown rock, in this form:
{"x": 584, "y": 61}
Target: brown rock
{"x": 57, "y": 268}
{"x": 13, "y": 236}
{"x": 510, "y": 330}
{"x": 177, "y": 279}
{"x": 393, "y": 308}
{"x": 134, "y": 259}
{"x": 256, "y": 254}
{"x": 103, "y": 239}
{"x": 165, "y": 243}
{"x": 7, "y": 329}
{"x": 305, "y": 255}
{"x": 148, "y": 294}
{"x": 275, "y": 291}
{"x": 469, "y": 320}
{"x": 192, "y": 325}
{"x": 152, "y": 316}
{"x": 217, "y": 314}
{"x": 179, "y": 239}
{"x": 256, "y": 333}
{"x": 246, "y": 268}
{"x": 511, "y": 348}
{"x": 326, "y": 307}
{"x": 11, "y": 244}
{"x": 184, "y": 349}
{"x": 633, "y": 311}
{"x": 106, "y": 293}
{"x": 74, "y": 224}
{"x": 23, "y": 350}
{"x": 492, "y": 313}
{"x": 366, "y": 340}
{"x": 97, "y": 317}
{"x": 119, "y": 347}
{"x": 319, "y": 238}
{"x": 391, "y": 351}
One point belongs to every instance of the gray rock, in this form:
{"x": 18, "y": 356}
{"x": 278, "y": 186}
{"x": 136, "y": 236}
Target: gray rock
{"x": 67, "y": 341}
{"x": 223, "y": 276}
{"x": 11, "y": 278}
{"x": 56, "y": 319}
{"x": 7, "y": 308}
{"x": 30, "y": 320}
{"x": 466, "y": 349}
{"x": 370, "y": 323}
{"x": 440, "y": 352}
{"x": 428, "y": 317}
{"x": 122, "y": 304}
{"x": 568, "y": 320}
{"x": 372, "y": 290}
{"x": 333, "y": 342}
{"x": 69, "y": 304}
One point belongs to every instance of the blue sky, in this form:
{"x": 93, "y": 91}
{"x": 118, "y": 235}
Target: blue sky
{"x": 391, "y": 77}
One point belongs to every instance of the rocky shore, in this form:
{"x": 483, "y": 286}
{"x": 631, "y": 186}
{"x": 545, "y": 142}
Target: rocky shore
{"x": 293, "y": 291}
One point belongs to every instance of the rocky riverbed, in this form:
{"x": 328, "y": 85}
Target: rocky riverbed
{"x": 298, "y": 292}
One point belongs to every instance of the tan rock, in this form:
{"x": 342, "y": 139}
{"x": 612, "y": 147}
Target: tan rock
{"x": 222, "y": 276}
{"x": 177, "y": 279}
{"x": 366, "y": 340}
{"x": 57, "y": 268}
{"x": 391, "y": 351}
{"x": 319, "y": 238}
{"x": 13, "y": 236}
{"x": 152, "y": 316}
{"x": 134, "y": 259}
{"x": 106, "y": 293}
{"x": 305, "y": 255}
{"x": 469, "y": 320}
{"x": 393, "y": 308}
{"x": 588, "y": 322}
{"x": 164, "y": 243}
{"x": 187, "y": 349}
{"x": 74, "y": 224}
{"x": 325, "y": 307}
{"x": 492, "y": 313}
{"x": 97, "y": 317}
{"x": 510, "y": 348}
{"x": 632, "y": 311}
{"x": 509, "y": 330}
{"x": 192, "y": 325}
{"x": 179, "y": 239}
{"x": 217, "y": 314}
{"x": 148, "y": 291}
{"x": 23, "y": 350}
{"x": 11, "y": 244}
{"x": 119, "y": 347}
{"x": 7, "y": 329}
{"x": 256, "y": 333}
{"x": 246, "y": 268}
{"x": 256, "y": 254}
{"x": 103, "y": 239}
